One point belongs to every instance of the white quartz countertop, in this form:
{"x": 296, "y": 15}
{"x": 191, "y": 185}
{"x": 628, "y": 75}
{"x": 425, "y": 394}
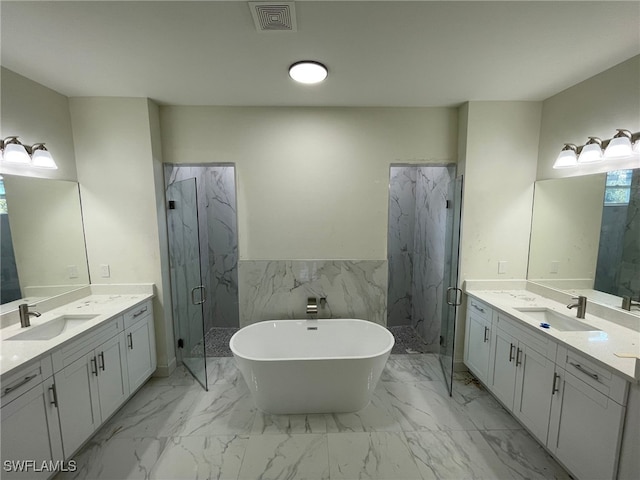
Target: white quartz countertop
{"x": 601, "y": 345}
{"x": 16, "y": 353}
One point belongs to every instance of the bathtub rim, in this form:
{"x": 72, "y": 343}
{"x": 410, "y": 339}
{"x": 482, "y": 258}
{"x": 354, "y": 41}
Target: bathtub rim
{"x": 289, "y": 359}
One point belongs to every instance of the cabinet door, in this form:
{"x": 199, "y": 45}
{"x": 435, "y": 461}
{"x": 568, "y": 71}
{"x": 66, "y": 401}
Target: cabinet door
{"x": 140, "y": 362}
{"x": 534, "y": 382}
{"x": 585, "y": 428}
{"x": 113, "y": 380}
{"x": 78, "y": 404}
{"x": 478, "y": 346}
{"x": 503, "y": 373}
{"x": 30, "y": 431}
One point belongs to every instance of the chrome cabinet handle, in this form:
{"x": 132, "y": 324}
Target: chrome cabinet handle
{"x": 584, "y": 370}
{"x": 101, "y": 357}
{"x": 130, "y": 336}
{"x": 477, "y": 307}
{"x": 518, "y": 361}
{"x": 554, "y": 387}
{"x": 94, "y": 370}
{"x": 140, "y": 312}
{"x": 11, "y": 388}
{"x": 486, "y": 338}
{"x": 511, "y": 355}
{"x": 52, "y": 389}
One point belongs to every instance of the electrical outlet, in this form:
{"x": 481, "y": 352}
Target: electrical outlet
{"x": 72, "y": 271}
{"x": 555, "y": 266}
{"x": 104, "y": 271}
{"x": 502, "y": 266}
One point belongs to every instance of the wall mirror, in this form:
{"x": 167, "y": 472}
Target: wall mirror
{"x": 585, "y": 235}
{"x": 43, "y": 250}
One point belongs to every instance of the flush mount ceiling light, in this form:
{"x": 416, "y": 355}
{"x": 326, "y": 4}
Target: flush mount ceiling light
{"x": 15, "y": 153}
{"x": 308, "y": 72}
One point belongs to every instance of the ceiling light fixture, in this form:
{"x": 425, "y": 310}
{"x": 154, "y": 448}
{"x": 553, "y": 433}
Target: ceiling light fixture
{"x": 623, "y": 145}
{"x": 15, "y": 153}
{"x": 308, "y": 71}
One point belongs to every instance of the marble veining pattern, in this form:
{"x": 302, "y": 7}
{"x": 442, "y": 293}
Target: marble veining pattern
{"x": 272, "y": 290}
{"x": 173, "y": 429}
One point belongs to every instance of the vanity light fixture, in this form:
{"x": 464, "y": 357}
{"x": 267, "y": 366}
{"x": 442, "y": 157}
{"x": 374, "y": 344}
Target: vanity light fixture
{"x": 592, "y": 151}
{"x": 308, "y": 71}
{"x": 15, "y": 153}
{"x": 624, "y": 144}
{"x": 620, "y": 145}
{"x": 568, "y": 156}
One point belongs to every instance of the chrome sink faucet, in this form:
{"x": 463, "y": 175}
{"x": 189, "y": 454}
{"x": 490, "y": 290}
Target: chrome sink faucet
{"x": 25, "y": 314}
{"x": 581, "y": 305}
{"x": 312, "y": 307}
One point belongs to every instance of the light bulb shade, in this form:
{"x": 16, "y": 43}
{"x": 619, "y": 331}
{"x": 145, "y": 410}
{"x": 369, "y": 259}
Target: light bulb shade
{"x": 15, "y": 153}
{"x": 567, "y": 158}
{"x": 618, "y": 147}
{"x": 636, "y": 147}
{"x": 308, "y": 72}
{"x": 41, "y": 158}
{"x": 591, "y": 153}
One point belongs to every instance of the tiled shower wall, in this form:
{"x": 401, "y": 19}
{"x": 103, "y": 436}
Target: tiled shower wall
{"x": 416, "y": 247}
{"x": 279, "y": 289}
{"x": 217, "y": 222}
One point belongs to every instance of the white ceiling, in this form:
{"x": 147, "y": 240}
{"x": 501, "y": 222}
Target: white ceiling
{"x": 418, "y": 53}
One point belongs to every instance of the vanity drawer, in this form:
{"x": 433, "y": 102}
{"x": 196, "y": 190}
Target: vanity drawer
{"x": 591, "y": 373}
{"x": 137, "y": 313}
{"x": 25, "y": 379}
{"x": 479, "y": 309}
{"x": 85, "y": 343}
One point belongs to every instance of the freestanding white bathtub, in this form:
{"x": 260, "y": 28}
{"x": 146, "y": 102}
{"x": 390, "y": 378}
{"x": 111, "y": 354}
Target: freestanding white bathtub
{"x": 311, "y": 366}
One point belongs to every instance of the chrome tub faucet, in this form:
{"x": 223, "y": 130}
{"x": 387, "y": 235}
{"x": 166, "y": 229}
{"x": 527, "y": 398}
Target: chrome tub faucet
{"x": 581, "y": 305}
{"x": 25, "y": 314}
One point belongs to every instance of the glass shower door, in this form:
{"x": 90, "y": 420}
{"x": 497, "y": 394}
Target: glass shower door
{"x": 452, "y": 294}
{"x": 187, "y": 290}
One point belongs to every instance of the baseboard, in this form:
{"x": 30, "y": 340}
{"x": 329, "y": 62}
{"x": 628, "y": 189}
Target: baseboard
{"x": 165, "y": 370}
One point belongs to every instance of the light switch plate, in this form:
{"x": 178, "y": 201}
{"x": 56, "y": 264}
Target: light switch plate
{"x": 72, "y": 271}
{"x": 502, "y": 266}
{"x": 104, "y": 271}
{"x": 555, "y": 266}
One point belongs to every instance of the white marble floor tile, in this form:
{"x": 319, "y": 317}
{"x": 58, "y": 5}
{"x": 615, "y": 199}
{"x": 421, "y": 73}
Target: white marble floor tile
{"x": 180, "y": 376}
{"x": 377, "y": 416}
{"x": 400, "y": 368}
{"x": 118, "y": 458}
{"x": 375, "y": 455}
{"x": 523, "y": 456}
{"x": 226, "y": 409}
{"x": 155, "y": 411}
{"x": 265, "y": 423}
{"x": 455, "y": 455}
{"x": 218, "y": 457}
{"x": 426, "y": 406}
{"x": 299, "y": 457}
{"x": 223, "y": 370}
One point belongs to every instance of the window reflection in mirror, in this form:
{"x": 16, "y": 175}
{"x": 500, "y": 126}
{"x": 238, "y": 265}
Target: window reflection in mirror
{"x": 42, "y": 234}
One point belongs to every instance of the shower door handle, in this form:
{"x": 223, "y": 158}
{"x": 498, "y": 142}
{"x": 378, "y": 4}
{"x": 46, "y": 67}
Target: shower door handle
{"x": 457, "y": 299}
{"x": 203, "y": 292}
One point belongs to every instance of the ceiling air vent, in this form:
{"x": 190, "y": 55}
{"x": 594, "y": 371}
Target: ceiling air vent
{"x": 274, "y": 16}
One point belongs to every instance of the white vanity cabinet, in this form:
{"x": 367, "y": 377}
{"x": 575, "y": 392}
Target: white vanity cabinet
{"x": 478, "y": 338}
{"x": 30, "y": 427}
{"x": 587, "y": 414}
{"x": 141, "y": 344}
{"x": 521, "y": 370}
{"x": 92, "y": 382}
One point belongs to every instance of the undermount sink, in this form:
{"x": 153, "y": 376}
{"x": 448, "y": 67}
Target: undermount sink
{"x": 556, "y": 320}
{"x": 52, "y": 328}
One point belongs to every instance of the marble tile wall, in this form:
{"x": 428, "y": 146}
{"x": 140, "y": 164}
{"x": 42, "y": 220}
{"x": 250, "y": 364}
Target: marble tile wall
{"x": 278, "y": 289}
{"x": 418, "y": 223}
{"x": 629, "y": 271}
{"x": 218, "y": 238}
